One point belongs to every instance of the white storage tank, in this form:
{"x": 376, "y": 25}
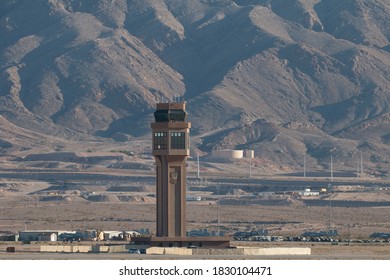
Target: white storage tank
{"x": 249, "y": 153}
{"x": 228, "y": 154}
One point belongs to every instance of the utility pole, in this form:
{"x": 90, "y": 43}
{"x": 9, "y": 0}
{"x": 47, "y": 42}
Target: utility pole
{"x": 331, "y": 168}
{"x": 304, "y": 165}
{"x": 250, "y": 167}
{"x": 357, "y": 167}
{"x": 218, "y": 211}
{"x": 330, "y": 207}
{"x": 198, "y": 164}
{"x": 361, "y": 164}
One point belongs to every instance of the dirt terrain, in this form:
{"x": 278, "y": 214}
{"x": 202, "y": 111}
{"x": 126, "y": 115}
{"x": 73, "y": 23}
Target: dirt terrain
{"x": 115, "y": 191}
{"x": 279, "y": 220}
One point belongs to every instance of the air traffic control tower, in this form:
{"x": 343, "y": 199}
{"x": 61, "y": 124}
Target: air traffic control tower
{"x": 170, "y": 150}
{"x": 171, "y": 141}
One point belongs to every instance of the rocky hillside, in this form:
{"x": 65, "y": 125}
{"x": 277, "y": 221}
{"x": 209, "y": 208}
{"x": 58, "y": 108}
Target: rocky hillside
{"x": 285, "y": 78}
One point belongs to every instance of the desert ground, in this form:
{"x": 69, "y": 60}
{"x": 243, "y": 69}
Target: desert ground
{"x": 290, "y": 220}
{"x": 124, "y": 200}
{"x": 114, "y": 189}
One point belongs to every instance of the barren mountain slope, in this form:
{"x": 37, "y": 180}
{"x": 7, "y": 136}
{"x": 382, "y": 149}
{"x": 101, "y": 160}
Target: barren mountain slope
{"x": 282, "y": 77}
{"x": 77, "y": 73}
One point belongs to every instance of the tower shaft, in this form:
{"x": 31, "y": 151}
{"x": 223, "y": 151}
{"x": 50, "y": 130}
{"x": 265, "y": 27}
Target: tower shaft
{"x": 171, "y": 195}
{"x": 170, "y": 150}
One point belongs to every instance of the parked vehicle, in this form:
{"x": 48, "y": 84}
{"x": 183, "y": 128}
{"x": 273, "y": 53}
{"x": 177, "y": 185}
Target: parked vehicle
{"x": 134, "y": 251}
{"x": 142, "y": 251}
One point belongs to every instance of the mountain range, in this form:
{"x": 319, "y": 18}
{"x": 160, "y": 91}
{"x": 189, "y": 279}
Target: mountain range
{"x": 289, "y": 79}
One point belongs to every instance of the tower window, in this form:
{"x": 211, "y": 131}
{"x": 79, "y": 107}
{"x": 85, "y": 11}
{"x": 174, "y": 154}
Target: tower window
{"x": 178, "y": 140}
{"x": 160, "y": 141}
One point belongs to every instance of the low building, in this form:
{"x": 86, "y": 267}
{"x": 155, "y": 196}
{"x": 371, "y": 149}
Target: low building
{"x": 320, "y": 233}
{"x": 187, "y": 241}
{"x": 49, "y": 236}
{"x": 323, "y": 191}
{"x": 71, "y": 236}
{"x": 204, "y": 232}
{"x": 309, "y": 192}
{"x": 39, "y": 235}
{"x": 248, "y": 235}
{"x": 8, "y": 236}
{"x": 120, "y": 235}
{"x": 113, "y": 235}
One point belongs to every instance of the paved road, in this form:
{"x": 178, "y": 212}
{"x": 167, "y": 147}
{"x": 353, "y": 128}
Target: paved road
{"x": 280, "y": 181}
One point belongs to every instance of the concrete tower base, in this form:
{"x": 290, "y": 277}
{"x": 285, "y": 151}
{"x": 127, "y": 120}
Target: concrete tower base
{"x": 186, "y": 242}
